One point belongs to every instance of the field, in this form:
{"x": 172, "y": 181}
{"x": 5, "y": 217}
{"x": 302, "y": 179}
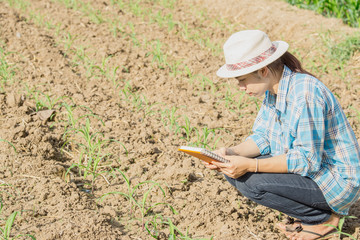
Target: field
{"x": 96, "y": 97}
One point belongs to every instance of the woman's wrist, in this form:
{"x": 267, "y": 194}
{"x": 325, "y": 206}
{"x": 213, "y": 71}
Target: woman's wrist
{"x": 253, "y": 165}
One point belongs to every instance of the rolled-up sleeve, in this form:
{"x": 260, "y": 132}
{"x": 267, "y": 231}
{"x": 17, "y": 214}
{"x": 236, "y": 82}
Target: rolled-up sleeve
{"x": 259, "y": 135}
{"x": 304, "y": 158}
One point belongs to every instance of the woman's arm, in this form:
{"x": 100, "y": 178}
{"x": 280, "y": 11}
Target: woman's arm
{"x": 239, "y": 165}
{"x": 245, "y": 149}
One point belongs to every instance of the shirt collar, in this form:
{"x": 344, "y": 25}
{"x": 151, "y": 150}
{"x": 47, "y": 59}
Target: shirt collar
{"x": 282, "y": 90}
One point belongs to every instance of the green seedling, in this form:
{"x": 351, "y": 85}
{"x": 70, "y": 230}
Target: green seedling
{"x": 127, "y": 91}
{"x": 107, "y": 71}
{"x": 138, "y": 201}
{"x": 158, "y": 222}
{"x": 72, "y": 4}
{"x": 137, "y": 101}
{"x": 208, "y": 135}
{"x": 12, "y": 145}
{"x": 167, "y": 3}
{"x": 136, "y": 8}
{"x": 340, "y": 227}
{"x": 240, "y": 103}
{"x": 169, "y": 117}
{"x": 174, "y": 68}
{"x": 148, "y": 107}
{"x": 187, "y": 128}
{"x": 45, "y": 101}
{"x": 357, "y": 111}
{"x": 72, "y": 122}
{"x": 7, "y": 71}
{"x": 5, "y": 230}
{"x": 256, "y": 101}
{"x": 133, "y": 35}
{"x": 92, "y": 154}
{"x": 116, "y": 27}
{"x": 79, "y": 55}
{"x": 120, "y": 3}
{"x": 205, "y": 81}
{"x": 158, "y": 56}
{"x": 172, "y": 117}
{"x": 37, "y": 18}
{"x": 229, "y": 98}
{"x": 19, "y": 4}
{"x": 94, "y": 15}
{"x": 68, "y": 41}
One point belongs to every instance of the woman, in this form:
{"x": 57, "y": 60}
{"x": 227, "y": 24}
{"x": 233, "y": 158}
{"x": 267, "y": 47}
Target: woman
{"x": 303, "y": 157}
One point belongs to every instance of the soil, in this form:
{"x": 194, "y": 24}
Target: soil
{"x": 127, "y": 70}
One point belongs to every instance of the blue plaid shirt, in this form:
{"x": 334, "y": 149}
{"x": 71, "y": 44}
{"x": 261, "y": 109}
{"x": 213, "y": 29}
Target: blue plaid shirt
{"x": 306, "y": 122}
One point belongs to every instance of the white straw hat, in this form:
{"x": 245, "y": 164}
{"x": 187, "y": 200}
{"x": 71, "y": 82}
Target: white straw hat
{"x": 248, "y": 51}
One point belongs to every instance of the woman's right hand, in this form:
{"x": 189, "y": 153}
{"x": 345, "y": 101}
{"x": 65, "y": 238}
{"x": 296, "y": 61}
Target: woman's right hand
{"x": 221, "y": 152}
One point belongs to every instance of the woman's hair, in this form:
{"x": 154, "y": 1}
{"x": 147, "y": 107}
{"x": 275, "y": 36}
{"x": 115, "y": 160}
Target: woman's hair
{"x": 290, "y": 61}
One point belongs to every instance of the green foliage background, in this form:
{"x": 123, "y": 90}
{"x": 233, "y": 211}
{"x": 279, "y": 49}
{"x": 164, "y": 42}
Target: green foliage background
{"x": 348, "y": 10}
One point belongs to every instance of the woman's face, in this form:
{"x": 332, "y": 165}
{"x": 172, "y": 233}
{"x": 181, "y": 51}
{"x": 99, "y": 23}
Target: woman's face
{"x": 254, "y": 84}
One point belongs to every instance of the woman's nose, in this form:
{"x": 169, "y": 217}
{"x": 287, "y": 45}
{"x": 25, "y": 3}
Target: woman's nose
{"x": 242, "y": 86}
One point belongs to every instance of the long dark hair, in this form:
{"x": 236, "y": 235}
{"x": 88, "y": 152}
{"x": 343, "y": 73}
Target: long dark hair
{"x": 290, "y": 61}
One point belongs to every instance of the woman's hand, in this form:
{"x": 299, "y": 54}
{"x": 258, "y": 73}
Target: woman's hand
{"x": 221, "y": 152}
{"x": 237, "y": 166}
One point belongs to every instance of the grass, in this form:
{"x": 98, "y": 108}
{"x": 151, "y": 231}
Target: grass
{"x": 343, "y": 51}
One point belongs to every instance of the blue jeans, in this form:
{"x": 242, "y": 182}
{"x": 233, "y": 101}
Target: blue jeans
{"x": 292, "y": 194}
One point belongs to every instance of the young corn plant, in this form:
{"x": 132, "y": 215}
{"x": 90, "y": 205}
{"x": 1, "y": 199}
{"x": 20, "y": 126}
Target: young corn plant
{"x": 106, "y": 71}
{"x": 116, "y": 27}
{"x": 339, "y": 228}
{"x": 68, "y": 41}
{"x": 44, "y": 101}
{"x": 7, "y": 71}
{"x": 72, "y": 122}
{"x": 169, "y": 118}
{"x": 138, "y": 201}
{"x": 6, "y": 141}
{"x": 206, "y": 82}
{"x": 187, "y": 129}
{"x": 6, "y": 225}
{"x": 148, "y": 107}
{"x": 207, "y": 137}
{"x": 158, "y": 56}
{"x": 92, "y": 160}
{"x": 158, "y": 223}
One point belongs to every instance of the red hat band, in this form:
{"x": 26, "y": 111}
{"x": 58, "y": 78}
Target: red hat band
{"x": 253, "y": 61}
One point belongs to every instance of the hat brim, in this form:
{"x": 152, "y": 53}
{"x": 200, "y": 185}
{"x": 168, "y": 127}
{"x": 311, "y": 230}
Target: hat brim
{"x": 281, "y": 48}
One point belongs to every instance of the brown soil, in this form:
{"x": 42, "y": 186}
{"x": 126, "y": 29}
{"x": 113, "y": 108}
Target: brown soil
{"x": 54, "y": 50}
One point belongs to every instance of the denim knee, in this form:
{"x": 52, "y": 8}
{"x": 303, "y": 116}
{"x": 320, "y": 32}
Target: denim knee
{"x": 244, "y": 186}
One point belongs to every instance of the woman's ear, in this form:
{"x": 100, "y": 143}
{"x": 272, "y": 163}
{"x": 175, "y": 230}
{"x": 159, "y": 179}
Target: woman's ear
{"x": 263, "y": 72}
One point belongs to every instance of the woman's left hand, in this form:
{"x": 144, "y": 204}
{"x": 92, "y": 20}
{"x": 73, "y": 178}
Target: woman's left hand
{"x": 237, "y": 166}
